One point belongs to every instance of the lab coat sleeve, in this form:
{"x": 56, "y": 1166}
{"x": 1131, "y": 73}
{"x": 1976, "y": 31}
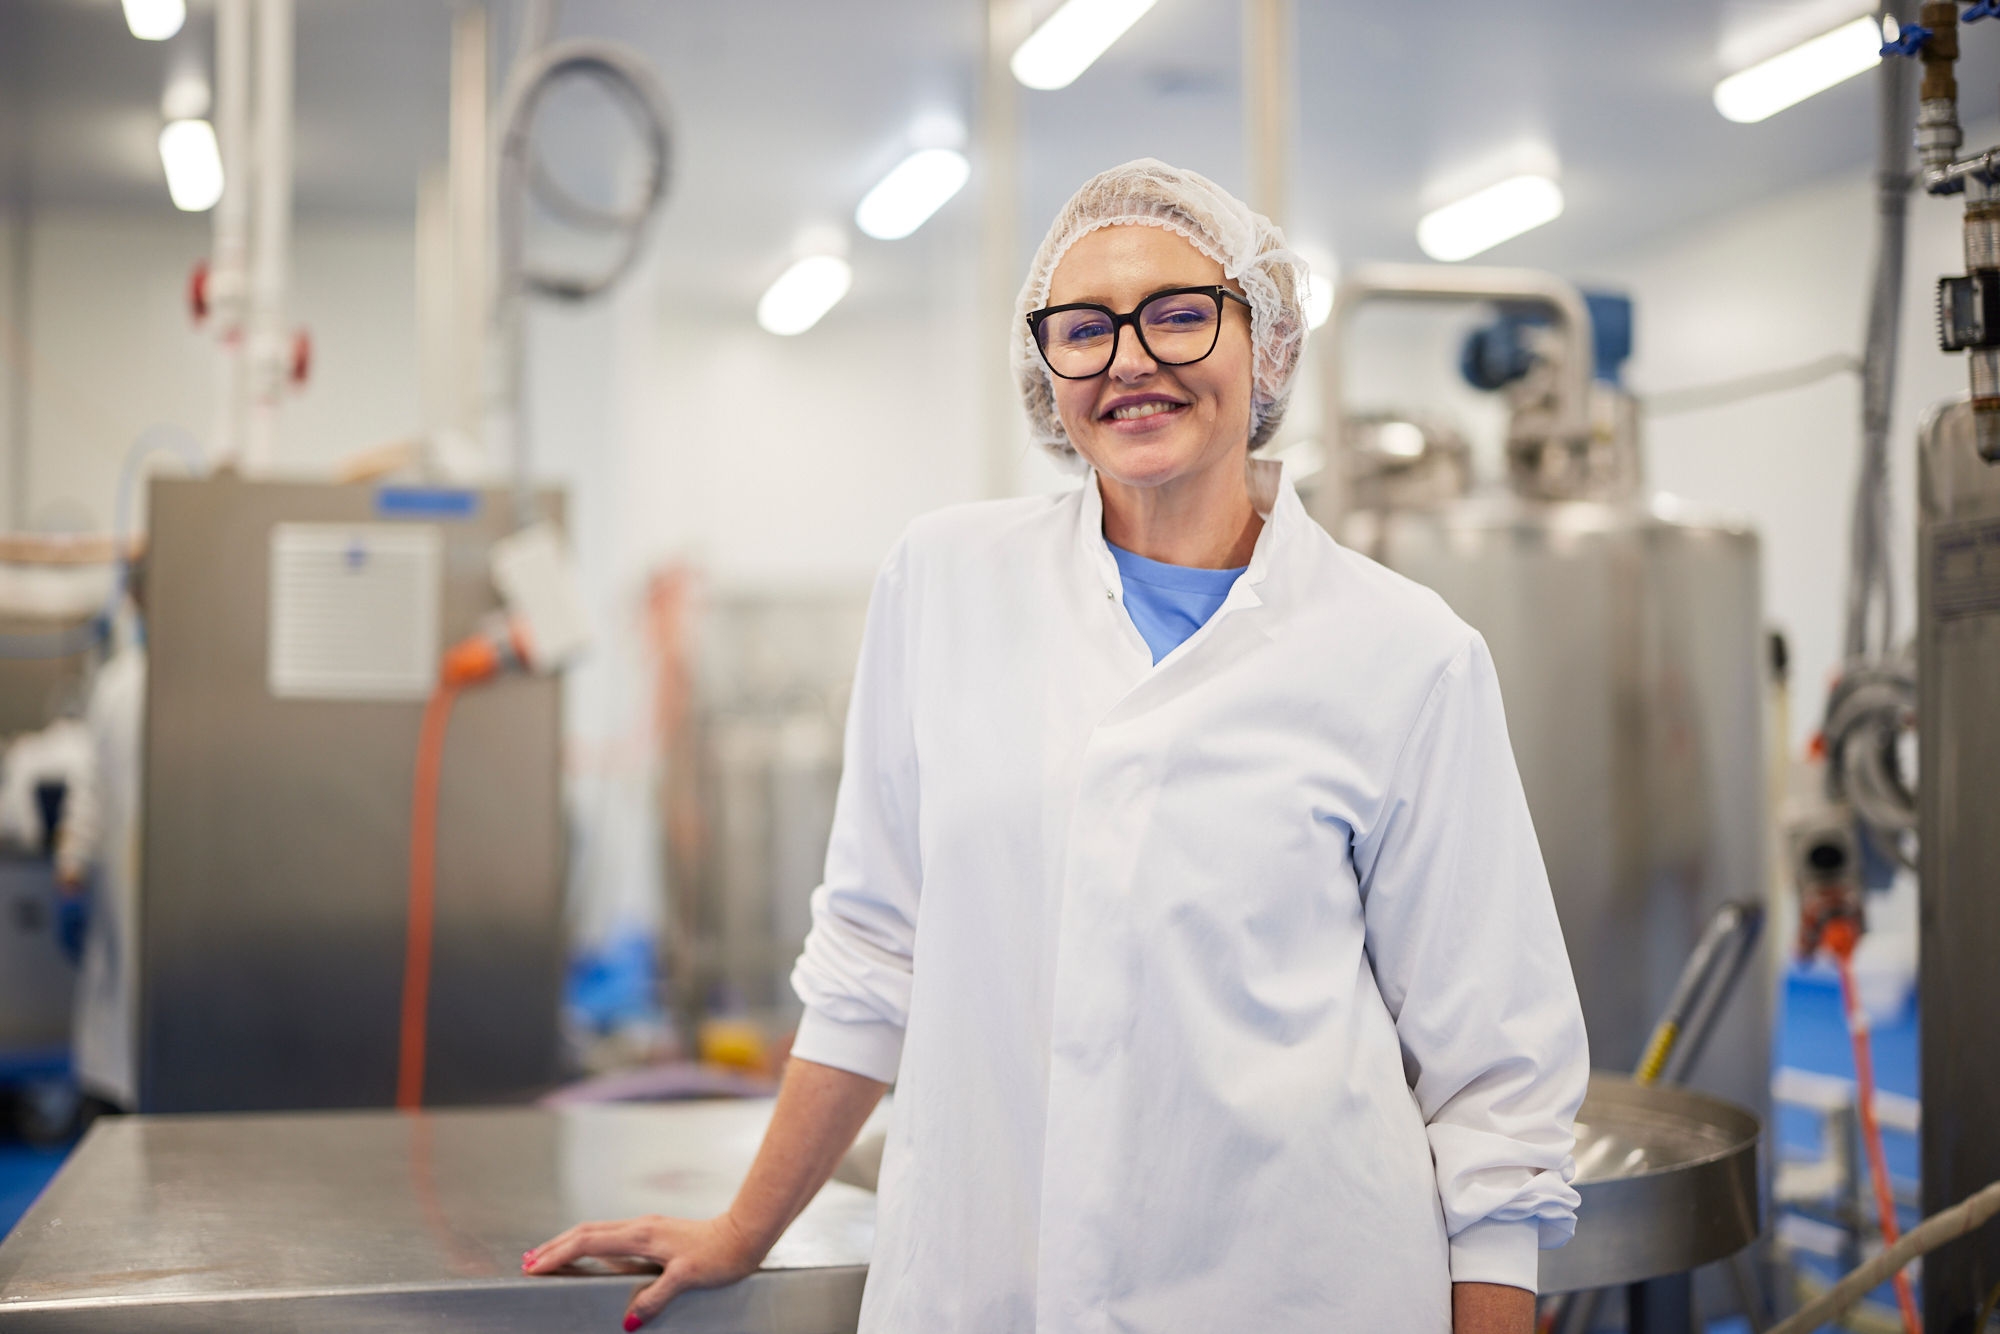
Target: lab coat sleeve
{"x": 1469, "y": 957}
{"x": 854, "y": 975}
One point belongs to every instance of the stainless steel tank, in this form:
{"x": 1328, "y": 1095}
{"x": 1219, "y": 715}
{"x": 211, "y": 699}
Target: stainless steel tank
{"x": 1627, "y": 633}
{"x": 1626, "y": 637}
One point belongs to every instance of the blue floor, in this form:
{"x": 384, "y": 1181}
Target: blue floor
{"x": 23, "y": 1172}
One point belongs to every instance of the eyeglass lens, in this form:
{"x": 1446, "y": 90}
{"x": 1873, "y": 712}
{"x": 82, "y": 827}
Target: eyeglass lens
{"x": 1176, "y": 328}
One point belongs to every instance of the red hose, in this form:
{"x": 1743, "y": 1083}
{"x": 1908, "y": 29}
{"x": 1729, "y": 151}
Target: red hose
{"x": 422, "y": 910}
{"x": 1840, "y": 940}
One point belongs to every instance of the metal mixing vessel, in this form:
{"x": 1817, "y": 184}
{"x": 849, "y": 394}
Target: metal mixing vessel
{"x": 1626, "y": 637}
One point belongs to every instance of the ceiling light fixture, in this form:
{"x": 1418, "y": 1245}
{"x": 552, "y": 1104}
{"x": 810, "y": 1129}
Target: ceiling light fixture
{"x": 1811, "y": 67}
{"x": 155, "y": 20}
{"x": 803, "y": 293}
{"x": 918, "y": 187}
{"x": 194, "y": 164}
{"x": 1071, "y": 39}
{"x": 1483, "y": 220}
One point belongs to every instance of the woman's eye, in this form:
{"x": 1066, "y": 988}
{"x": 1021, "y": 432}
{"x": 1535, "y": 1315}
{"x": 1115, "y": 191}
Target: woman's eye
{"x": 1083, "y": 333}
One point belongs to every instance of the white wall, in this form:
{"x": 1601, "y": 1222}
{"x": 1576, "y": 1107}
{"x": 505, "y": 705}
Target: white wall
{"x": 112, "y": 349}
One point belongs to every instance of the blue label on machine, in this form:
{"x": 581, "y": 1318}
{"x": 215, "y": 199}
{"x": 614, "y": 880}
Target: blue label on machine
{"x": 426, "y": 502}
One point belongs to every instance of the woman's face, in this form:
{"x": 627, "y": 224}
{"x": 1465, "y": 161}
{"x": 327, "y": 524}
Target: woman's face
{"x": 1202, "y": 420}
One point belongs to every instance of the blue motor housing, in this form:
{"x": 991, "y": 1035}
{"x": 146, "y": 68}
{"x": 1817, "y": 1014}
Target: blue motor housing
{"x": 1497, "y": 354}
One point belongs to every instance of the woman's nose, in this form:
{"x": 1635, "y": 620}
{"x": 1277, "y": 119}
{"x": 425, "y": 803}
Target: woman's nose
{"x": 1129, "y": 359}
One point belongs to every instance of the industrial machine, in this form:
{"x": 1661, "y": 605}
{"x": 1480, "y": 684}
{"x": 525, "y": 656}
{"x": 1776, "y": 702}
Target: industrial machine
{"x": 295, "y": 632}
{"x": 1627, "y": 635}
{"x": 1958, "y": 649}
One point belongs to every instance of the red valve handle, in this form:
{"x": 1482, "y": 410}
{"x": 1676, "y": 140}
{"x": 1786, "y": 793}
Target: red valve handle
{"x": 197, "y": 291}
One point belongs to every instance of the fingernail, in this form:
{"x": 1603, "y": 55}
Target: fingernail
{"x": 631, "y": 1322}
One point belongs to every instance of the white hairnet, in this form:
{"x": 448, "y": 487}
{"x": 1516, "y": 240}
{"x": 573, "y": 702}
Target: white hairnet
{"x": 1248, "y": 246}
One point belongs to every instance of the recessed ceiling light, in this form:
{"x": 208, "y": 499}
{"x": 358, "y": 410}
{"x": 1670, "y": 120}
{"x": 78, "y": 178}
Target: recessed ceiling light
{"x": 917, "y": 187}
{"x": 803, "y": 293}
{"x": 1483, "y": 220}
{"x": 194, "y": 164}
{"x": 155, "y": 20}
{"x": 1071, "y": 39}
{"x": 1811, "y": 67}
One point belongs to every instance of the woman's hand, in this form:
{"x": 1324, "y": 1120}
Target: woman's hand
{"x": 819, "y": 1112}
{"x": 711, "y": 1253}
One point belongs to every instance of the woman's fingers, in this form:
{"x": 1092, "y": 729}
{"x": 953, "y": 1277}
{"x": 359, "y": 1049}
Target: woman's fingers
{"x": 629, "y": 1236}
{"x": 650, "y": 1300}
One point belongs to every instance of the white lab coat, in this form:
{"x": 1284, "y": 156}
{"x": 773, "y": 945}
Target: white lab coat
{"x": 1222, "y": 994}
{"x": 101, "y": 833}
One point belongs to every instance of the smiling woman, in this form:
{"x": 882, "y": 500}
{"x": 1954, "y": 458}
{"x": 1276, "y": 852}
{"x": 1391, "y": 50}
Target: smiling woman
{"x": 1180, "y": 877}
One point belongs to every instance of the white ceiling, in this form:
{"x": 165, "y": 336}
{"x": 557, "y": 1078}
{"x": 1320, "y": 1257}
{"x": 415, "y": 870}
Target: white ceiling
{"x": 787, "y": 110}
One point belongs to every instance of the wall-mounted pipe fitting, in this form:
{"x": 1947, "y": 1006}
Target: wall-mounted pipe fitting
{"x": 1938, "y": 133}
{"x": 1450, "y": 282}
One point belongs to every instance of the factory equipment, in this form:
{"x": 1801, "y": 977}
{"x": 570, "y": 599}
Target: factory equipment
{"x": 771, "y": 680}
{"x": 1958, "y": 653}
{"x": 1958, "y": 649}
{"x": 295, "y": 631}
{"x": 1627, "y": 635}
{"x": 384, "y": 1221}
{"x": 1626, "y": 632}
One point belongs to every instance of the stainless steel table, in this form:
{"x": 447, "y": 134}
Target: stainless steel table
{"x": 359, "y": 1221}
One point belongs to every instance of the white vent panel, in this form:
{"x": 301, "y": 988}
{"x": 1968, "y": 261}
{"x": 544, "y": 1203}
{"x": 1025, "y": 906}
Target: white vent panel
{"x": 354, "y": 610}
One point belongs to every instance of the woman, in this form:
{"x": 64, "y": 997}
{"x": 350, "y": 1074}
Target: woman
{"x": 1181, "y": 878}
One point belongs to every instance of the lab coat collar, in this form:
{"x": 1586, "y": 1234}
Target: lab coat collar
{"x": 1272, "y": 494}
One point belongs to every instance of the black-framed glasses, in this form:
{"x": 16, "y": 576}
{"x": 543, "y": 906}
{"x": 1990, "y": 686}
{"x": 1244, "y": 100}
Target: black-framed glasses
{"x": 1177, "y": 327}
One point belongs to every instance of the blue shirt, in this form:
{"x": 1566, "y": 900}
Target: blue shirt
{"x": 1169, "y": 602}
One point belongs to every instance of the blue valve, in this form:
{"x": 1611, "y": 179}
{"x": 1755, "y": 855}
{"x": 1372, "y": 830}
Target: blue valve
{"x": 1910, "y": 39}
{"x": 1985, "y": 9}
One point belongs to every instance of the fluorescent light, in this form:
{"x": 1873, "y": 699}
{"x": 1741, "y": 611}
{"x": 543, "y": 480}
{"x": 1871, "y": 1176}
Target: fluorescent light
{"x": 803, "y": 293}
{"x": 193, "y": 163}
{"x": 1793, "y": 76}
{"x": 1071, "y": 39}
{"x": 1483, "y": 220}
{"x": 155, "y": 20}
{"x": 917, "y": 188}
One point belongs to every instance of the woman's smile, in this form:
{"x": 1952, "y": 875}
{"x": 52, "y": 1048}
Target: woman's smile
{"x": 1142, "y": 414}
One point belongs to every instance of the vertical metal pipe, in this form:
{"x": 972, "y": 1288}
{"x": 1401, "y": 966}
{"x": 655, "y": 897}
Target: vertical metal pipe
{"x": 272, "y": 231}
{"x": 471, "y": 191}
{"x": 999, "y": 246}
{"x": 19, "y": 315}
{"x": 1268, "y": 100}
{"x": 1870, "y": 585}
{"x": 437, "y": 311}
{"x": 227, "y": 276}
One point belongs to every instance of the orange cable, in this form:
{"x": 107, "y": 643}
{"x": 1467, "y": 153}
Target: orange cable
{"x": 1841, "y": 941}
{"x": 423, "y": 881}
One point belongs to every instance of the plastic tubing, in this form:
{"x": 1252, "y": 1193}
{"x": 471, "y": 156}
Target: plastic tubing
{"x": 1841, "y": 939}
{"x": 1940, "y": 1229}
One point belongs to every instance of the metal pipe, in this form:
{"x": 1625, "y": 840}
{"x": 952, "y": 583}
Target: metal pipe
{"x": 270, "y": 263}
{"x": 227, "y": 270}
{"x": 999, "y": 244}
{"x": 1441, "y": 282}
{"x": 1870, "y": 582}
{"x": 1268, "y": 83}
{"x": 469, "y": 187}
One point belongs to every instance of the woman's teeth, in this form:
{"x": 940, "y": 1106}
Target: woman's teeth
{"x": 1131, "y": 410}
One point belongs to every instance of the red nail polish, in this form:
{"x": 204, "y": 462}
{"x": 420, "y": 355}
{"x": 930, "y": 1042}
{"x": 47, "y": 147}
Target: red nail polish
{"x": 631, "y": 1322}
